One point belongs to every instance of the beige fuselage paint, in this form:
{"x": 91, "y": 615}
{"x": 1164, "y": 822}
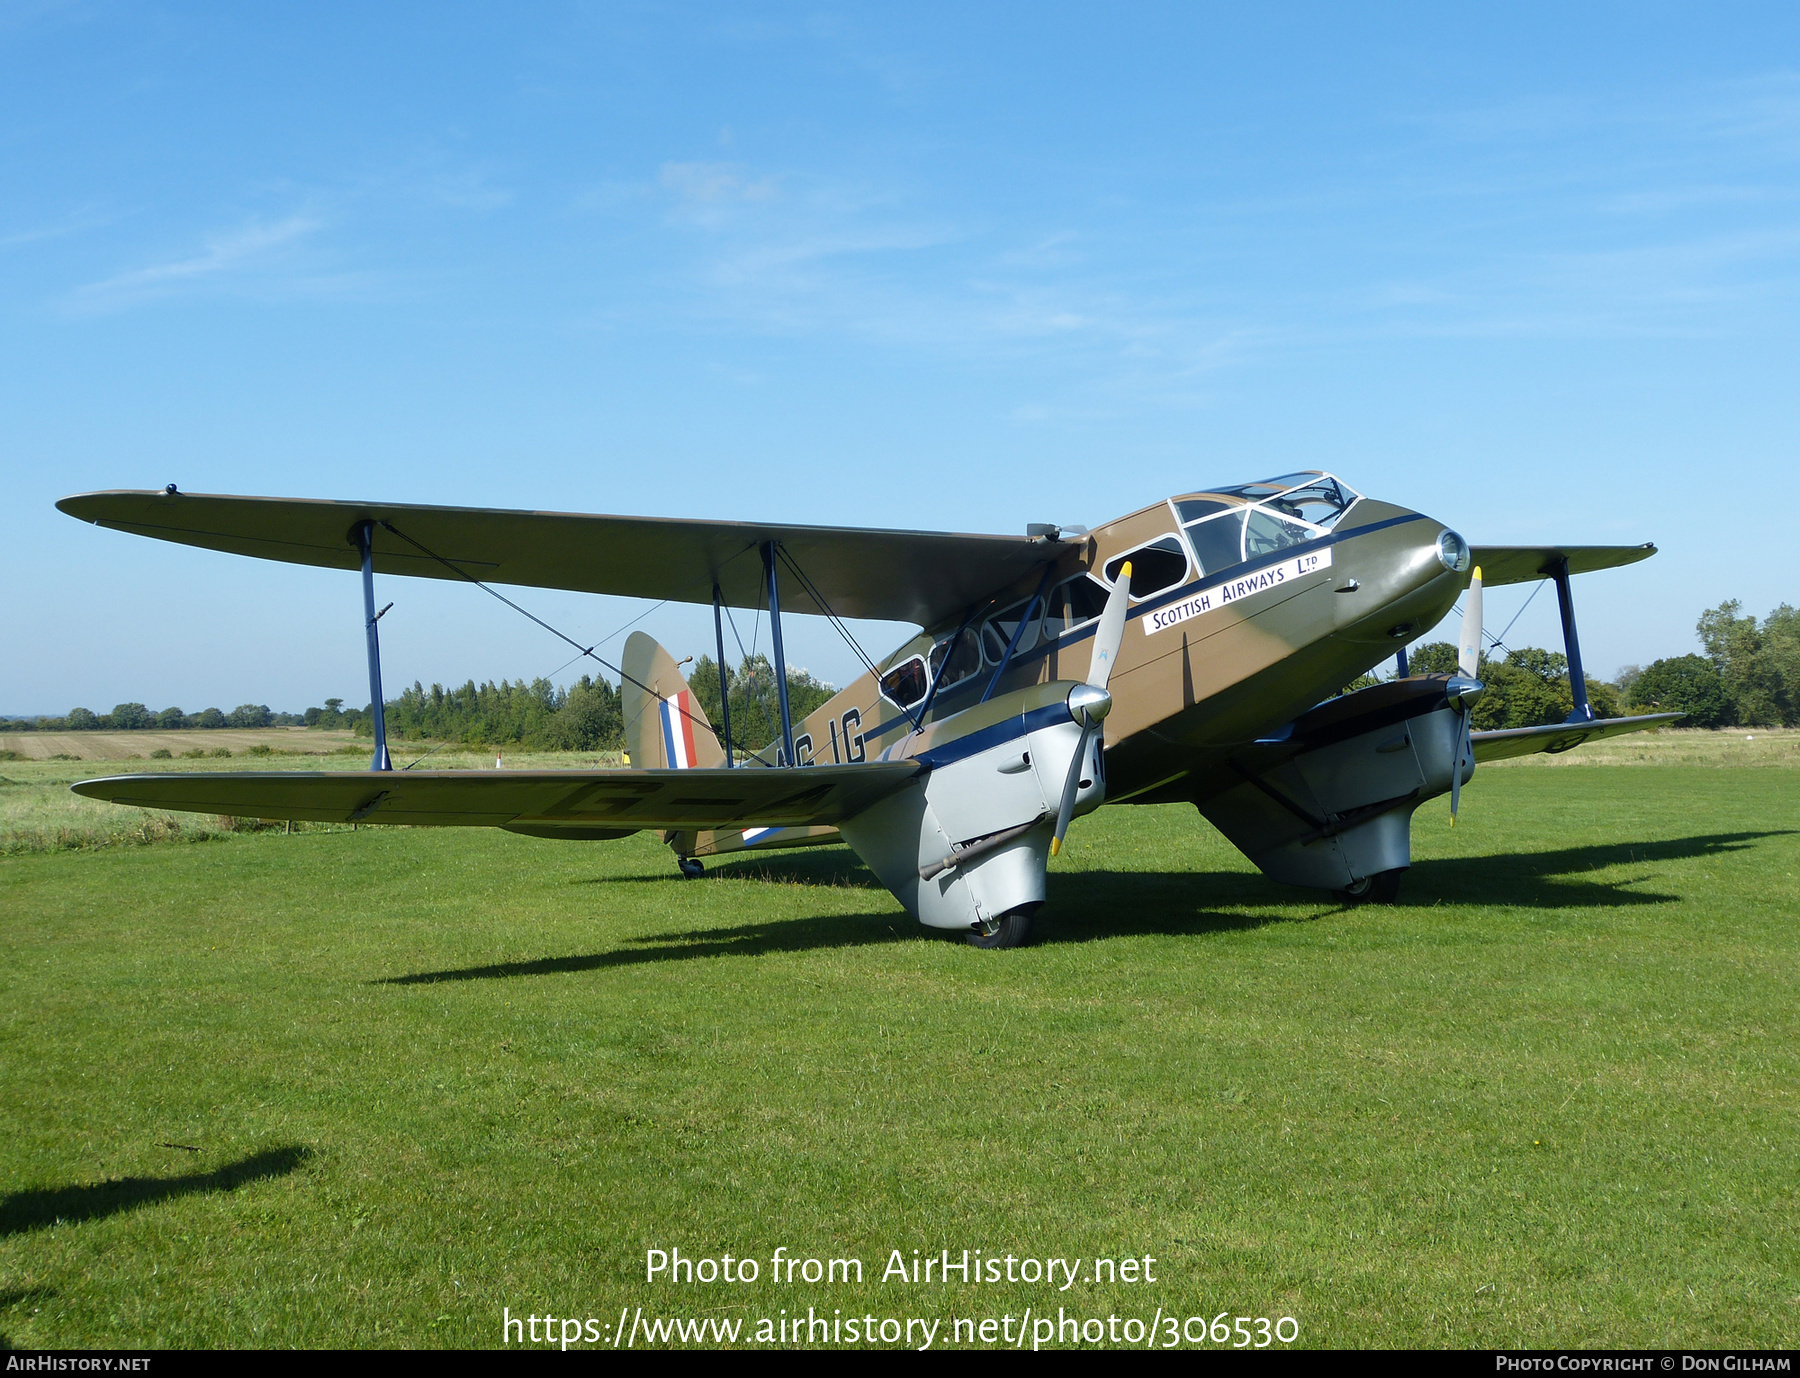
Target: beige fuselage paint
{"x": 1186, "y": 696}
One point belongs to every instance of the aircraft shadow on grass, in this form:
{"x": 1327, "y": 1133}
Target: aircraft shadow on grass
{"x": 17, "y": 1297}
{"x": 1090, "y": 905}
{"x": 38, "y": 1208}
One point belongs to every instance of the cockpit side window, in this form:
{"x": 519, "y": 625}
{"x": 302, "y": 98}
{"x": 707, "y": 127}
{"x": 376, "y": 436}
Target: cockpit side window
{"x": 1155, "y": 566}
{"x": 905, "y": 684}
{"x": 1320, "y": 502}
{"x": 1265, "y": 532}
{"x": 1219, "y": 542}
{"x": 1283, "y": 511}
{"x": 1268, "y": 488}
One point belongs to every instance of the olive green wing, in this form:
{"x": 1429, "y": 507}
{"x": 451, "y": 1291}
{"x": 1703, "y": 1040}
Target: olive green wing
{"x": 902, "y": 576}
{"x": 547, "y": 803}
{"x": 1505, "y": 743}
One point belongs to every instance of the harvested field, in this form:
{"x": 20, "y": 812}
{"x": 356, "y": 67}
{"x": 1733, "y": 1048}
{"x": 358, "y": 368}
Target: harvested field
{"x": 123, "y": 746}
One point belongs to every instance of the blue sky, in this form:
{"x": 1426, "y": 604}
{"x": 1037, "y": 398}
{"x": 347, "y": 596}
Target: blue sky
{"x": 1531, "y": 270}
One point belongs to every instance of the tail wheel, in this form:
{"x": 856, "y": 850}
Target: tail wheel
{"x": 690, "y": 866}
{"x": 1381, "y": 888}
{"x": 1011, "y": 929}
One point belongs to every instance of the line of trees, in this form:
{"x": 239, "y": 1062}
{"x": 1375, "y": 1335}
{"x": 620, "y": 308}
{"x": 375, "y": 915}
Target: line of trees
{"x": 1527, "y": 688}
{"x": 588, "y": 715}
{"x": 135, "y": 717}
{"x": 534, "y": 714}
{"x": 1748, "y": 676}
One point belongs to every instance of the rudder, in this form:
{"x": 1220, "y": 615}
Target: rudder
{"x": 665, "y": 726}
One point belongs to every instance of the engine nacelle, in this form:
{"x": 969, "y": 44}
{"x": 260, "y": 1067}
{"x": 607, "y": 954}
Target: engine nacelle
{"x": 1331, "y": 804}
{"x": 969, "y": 841}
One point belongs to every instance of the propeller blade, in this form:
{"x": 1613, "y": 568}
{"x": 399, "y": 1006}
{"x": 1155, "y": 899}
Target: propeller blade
{"x": 1468, "y": 660}
{"x": 1464, "y": 749}
{"x": 1111, "y": 630}
{"x": 1071, "y": 787}
{"x": 1088, "y": 705}
{"x": 1468, "y": 649}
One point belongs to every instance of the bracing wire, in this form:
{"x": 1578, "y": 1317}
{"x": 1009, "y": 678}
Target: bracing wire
{"x": 812, "y": 590}
{"x": 1500, "y": 640}
{"x": 744, "y": 655}
{"x": 587, "y": 651}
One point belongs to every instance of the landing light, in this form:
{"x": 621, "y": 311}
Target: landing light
{"x": 1452, "y": 551}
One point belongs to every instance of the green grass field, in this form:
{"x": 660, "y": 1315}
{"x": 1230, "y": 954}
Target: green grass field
{"x": 369, "y": 1087}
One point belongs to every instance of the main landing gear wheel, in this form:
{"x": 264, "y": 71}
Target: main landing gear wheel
{"x": 690, "y": 866}
{"x": 1381, "y": 888}
{"x": 1011, "y": 929}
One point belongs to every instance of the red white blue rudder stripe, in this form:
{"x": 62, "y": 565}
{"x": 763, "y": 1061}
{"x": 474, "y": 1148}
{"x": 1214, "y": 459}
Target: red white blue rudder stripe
{"x": 678, "y": 731}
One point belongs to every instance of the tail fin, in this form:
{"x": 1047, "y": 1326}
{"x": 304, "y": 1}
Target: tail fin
{"x": 665, "y": 726}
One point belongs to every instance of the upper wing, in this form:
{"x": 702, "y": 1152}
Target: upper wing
{"x": 557, "y": 803}
{"x": 1528, "y": 741}
{"x": 1520, "y": 564}
{"x": 902, "y": 576}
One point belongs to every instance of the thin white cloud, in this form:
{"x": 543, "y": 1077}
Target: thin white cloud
{"x": 254, "y": 251}
{"x": 78, "y": 223}
{"x": 786, "y": 254}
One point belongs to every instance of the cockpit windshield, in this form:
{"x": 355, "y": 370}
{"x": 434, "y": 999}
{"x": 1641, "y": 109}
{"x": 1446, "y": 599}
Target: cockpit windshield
{"x": 1229, "y": 525}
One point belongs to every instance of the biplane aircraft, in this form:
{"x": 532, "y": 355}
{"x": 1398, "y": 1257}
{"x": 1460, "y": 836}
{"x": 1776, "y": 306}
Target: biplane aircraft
{"x": 1190, "y": 651}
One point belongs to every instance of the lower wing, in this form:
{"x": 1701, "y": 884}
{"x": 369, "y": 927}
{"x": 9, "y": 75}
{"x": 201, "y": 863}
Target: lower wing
{"x": 1562, "y": 736}
{"x": 546, "y": 803}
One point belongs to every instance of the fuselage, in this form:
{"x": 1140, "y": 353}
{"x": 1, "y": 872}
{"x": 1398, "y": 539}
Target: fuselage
{"x": 1250, "y": 605}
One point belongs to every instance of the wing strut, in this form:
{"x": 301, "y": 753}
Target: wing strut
{"x": 943, "y": 666}
{"x": 781, "y": 694}
{"x": 1012, "y": 643}
{"x": 1565, "y": 601}
{"x": 365, "y": 532}
{"x": 724, "y": 675}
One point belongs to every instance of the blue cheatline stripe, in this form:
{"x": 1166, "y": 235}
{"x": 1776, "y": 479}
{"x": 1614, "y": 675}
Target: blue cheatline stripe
{"x": 998, "y": 734}
{"x": 869, "y": 734}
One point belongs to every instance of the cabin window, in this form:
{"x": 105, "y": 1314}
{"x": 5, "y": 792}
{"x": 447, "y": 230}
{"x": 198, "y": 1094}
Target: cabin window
{"x": 1159, "y": 565}
{"x": 956, "y": 658}
{"x": 1218, "y": 543}
{"x": 999, "y": 629}
{"x": 905, "y": 684}
{"x": 1080, "y": 600}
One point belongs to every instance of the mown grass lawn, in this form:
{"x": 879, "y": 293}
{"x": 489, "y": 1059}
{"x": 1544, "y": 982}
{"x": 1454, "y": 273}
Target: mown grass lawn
{"x": 1549, "y": 1099}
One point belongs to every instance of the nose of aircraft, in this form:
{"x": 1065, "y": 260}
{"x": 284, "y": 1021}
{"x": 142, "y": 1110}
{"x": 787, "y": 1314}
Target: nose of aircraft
{"x": 1409, "y": 570}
